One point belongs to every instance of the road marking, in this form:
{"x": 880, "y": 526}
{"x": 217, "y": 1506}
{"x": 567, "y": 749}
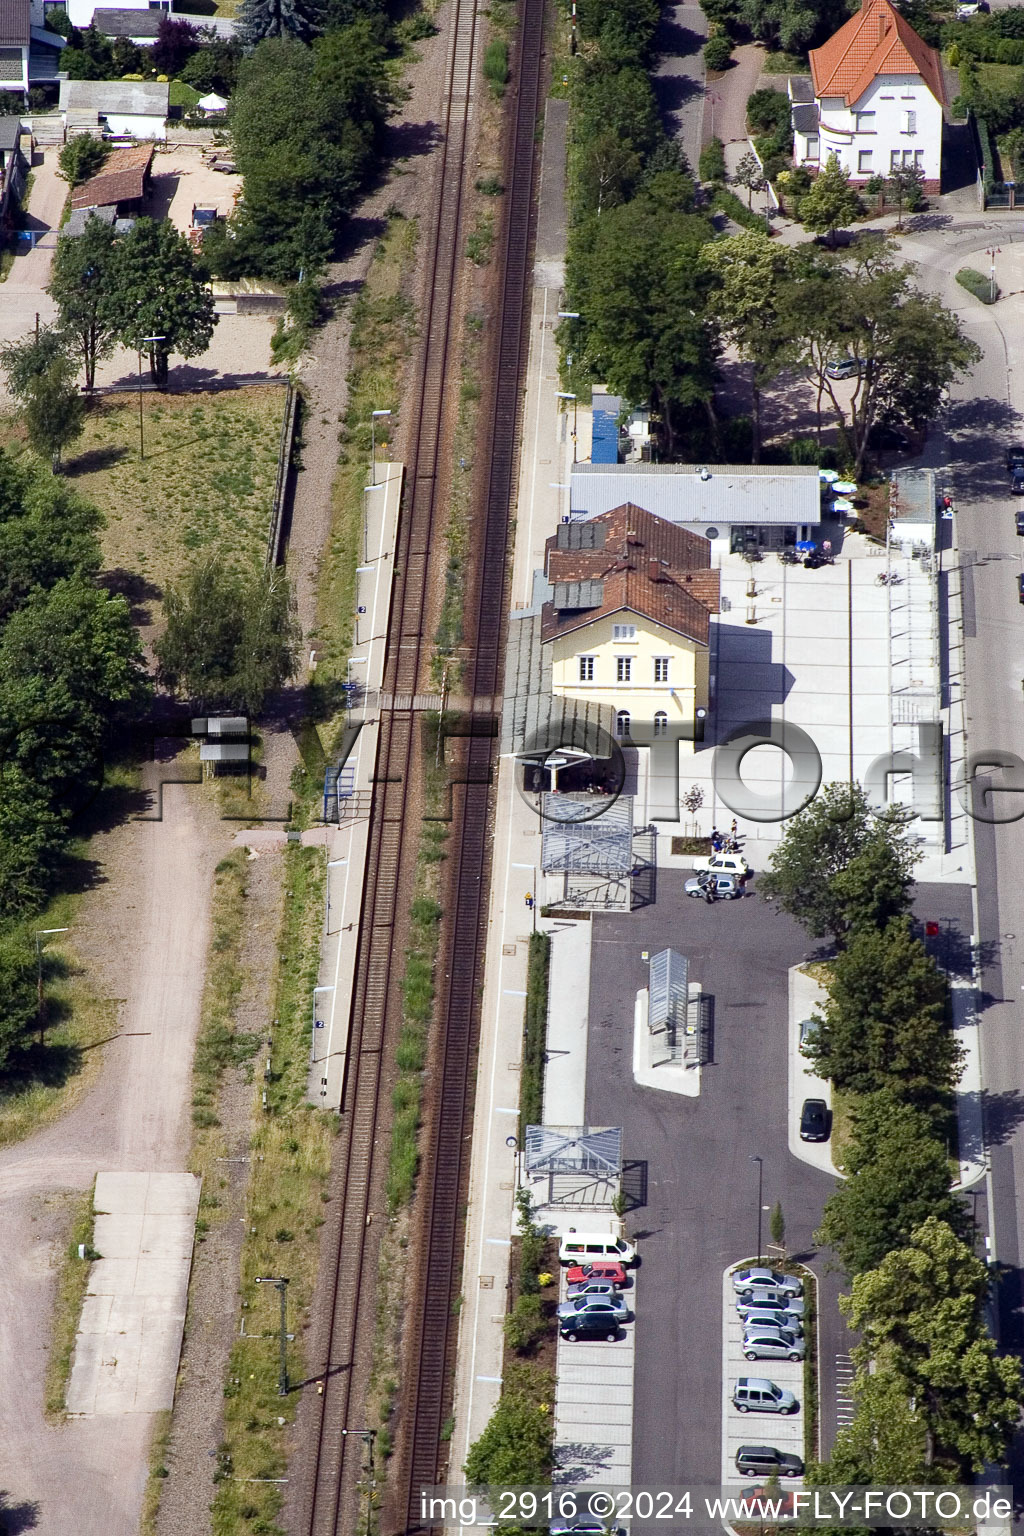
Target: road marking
{"x": 844, "y": 1391}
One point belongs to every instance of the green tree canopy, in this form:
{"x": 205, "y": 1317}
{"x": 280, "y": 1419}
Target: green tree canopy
{"x": 17, "y": 991}
{"x": 230, "y": 639}
{"x": 897, "y": 1176}
{"x": 921, "y": 1314}
{"x": 515, "y": 1447}
{"x": 81, "y": 158}
{"x": 79, "y": 278}
{"x": 47, "y": 532}
{"x": 156, "y": 288}
{"x": 261, "y": 19}
{"x": 885, "y": 1443}
{"x": 831, "y": 203}
{"x": 54, "y": 411}
{"x": 26, "y": 360}
{"x": 886, "y": 1021}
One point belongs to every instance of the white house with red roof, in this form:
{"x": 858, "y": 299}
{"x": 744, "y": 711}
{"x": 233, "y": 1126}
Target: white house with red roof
{"x": 875, "y": 99}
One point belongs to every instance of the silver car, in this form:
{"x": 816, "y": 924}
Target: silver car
{"x": 611, "y": 1307}
{"x": 720, "y": 887}
{"x": 765, "y": 1317}
{"x": 757, "y": 1275}
{"x": 772, "y": 1298}
{"x": 594, "y": 1288}
{"x": 772, "y": 1344}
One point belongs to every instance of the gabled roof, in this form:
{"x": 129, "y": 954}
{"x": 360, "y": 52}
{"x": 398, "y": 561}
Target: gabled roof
{"x": 15, "y": 23}
{"x": 877, "y": 41}
{"x": 646, "y": 566}
{"x": 118, "y": 21}
{"x": 122, "y": 179}
{"x": 10, "y": 133}
{"x": 135, "y": 98}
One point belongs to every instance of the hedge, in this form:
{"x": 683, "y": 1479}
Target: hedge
{"x": 977, "y": 283}
{"x": 535, "y": 1029}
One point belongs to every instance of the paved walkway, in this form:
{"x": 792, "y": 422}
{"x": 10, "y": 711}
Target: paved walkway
{"x": 727, "y": 95}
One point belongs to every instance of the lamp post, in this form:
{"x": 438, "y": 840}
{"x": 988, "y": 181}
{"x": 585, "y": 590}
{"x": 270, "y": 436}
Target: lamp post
{"x": 565, "y": 394}
{"x": 368, "y": 1436}
{"x": 373, "y": 444}
{"x": 280, "y": 1284}
{"x": 39, "y": 934}
{"x": 760, "y": 1189}
{"x": 148, "y": 341}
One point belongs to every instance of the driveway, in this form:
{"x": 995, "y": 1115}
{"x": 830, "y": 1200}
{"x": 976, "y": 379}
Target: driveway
{"x": 679, "y": 75}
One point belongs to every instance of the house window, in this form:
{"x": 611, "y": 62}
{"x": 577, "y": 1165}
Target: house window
{"x": 864, "y": 162}
{"x": 661, "y": 723}
{"x": 586, "y": 669}
{"x": 865, "y": 122}
{"x": 623, "y": 668}
{"x": 661, "y": 668}
{"x": 623, "y": 631}
{"x": 622, "y": 723}
{"x": 919, "y": 159}
{"x": 909, "y": 122}
{"x": 895, "y": 160}
{"x": 812, "y": 146}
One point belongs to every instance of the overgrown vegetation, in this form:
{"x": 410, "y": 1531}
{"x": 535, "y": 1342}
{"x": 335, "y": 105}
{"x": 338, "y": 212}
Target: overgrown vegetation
{"x": 72, "y": 1284}
{"x": 290, "y": 1160}
{"x": 535, "y": 1029}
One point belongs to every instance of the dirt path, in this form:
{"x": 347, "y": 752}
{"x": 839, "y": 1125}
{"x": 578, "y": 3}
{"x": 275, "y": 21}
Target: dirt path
{"x": 142, "y": 937}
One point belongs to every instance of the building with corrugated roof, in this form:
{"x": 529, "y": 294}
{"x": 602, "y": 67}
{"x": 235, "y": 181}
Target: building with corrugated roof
{"x": 874, "y": 101}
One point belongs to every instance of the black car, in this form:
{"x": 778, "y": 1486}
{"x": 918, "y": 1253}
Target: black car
{"x": 588, "y": 1325}
{"x": 1017, "y": 483}
{"x": 886, "y": 434}
{"x": 1020, "y": 587}
{"x": 1018, "y": 518}
{"x": 766, "y": 1461}
{"x": 1014, "y": 460}
{"x": 814, "y": 1117}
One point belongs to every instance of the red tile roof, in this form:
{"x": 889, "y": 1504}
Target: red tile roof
{"x": 648, "y": 566}
{"x": 122, "y": 179}
{"x": 877, "y": 41}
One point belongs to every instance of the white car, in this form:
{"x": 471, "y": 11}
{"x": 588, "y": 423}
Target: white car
{"x": 746, "y": 1281}
{"x": 724, "y": 864}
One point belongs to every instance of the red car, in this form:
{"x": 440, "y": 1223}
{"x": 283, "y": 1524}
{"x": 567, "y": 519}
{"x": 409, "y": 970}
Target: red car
{"x": 598, "y": 1271}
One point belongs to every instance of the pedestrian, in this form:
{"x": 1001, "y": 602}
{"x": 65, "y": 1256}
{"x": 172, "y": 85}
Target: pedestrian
{"x": 735, "y": 828}
{"x": 709, "y": 893}
{"x": 716, "y": 839}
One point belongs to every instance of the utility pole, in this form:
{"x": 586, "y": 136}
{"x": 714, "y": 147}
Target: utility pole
{"x": 280, "y": 1284}
{"x": 760, "y": 1191}
{"x": 39, "y": 934}
{"x": 367, "y": 1436}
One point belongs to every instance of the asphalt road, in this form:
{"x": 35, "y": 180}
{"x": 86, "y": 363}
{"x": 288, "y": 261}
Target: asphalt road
{"x": 689, "y": 1160}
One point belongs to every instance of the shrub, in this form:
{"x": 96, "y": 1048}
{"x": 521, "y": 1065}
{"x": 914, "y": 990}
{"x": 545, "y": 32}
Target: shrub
{"x": 718, "y": 51}
{"x": 769, "y": 111}
{"x": 81, "y": 158}
{"x": 525, "y": 1324}
{"x": 496, "y": 64}
{"x": 728, "y": 203}
{"x": 711, "y": 165}
{"x": 978, "y": 284}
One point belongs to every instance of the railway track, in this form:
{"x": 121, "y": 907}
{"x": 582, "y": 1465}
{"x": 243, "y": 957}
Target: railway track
{"x": 332, "y": 1497}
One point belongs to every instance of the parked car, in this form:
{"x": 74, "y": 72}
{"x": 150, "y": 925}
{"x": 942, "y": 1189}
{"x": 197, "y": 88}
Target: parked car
{"x": 809, "y": 1029}
{"x": 761, "y": 1500}
{"x": 723, "y": 864}
{"x": 766, "y": 1461}
{"x": 726, "y": 887}
{"x": 769, "y": 1297}
{"x": 756, "y": 1394}
{"x": 772, "y": 1317}
{"x": 1015, "y": 459}
{"x": 599, "y": 1271}
{"x": 593, "y": 1288}
{"x": 1020, "y": 588}
{"x": 756, "y": 1275}
{"x": 594, "y": 1306}
{"x": 888, "y": 434}
{"x": 588, "y": 1325}
{"x": 815, "y": 1120}
{"x": 591, "y": 1247}
{"x": 772, "y": 1344}
{"x": 1017, "y": 482}
{"x": 843, "y": 368}
{"x": 584, "y": 1525}
{"x": 1018, "y": 518}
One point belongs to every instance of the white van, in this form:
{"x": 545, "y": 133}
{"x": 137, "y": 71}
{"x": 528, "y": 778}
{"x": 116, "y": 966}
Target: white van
{"x": 587, "y": 1247}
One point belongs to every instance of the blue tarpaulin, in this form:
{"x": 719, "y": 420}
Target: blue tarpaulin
{"x": 605, "y": 446}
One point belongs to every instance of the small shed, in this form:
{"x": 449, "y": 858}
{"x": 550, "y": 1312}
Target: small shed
{"x": 122, "y": 184}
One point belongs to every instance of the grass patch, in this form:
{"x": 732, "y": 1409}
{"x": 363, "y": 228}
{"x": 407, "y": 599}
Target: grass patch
{"x": 158, "y": 1448}
{"x": 977, "y": 283}
{"x": 448, "y": 637}
{"x": 204, "y": 488}
{"x": 496, "y": 65}
{"x": 181, "y": 95}
{"x": 383, "y": 328}
{"x": 535, "y": 1031}
{"x": 810, "y": 1404}
{"x": 72, "y": 1283}
{"x": 1000, "y": 78}
{"x": 480, "y": 240}
{"x": 218, "y": 1045}
{"x": 844, "y": 1116}
{"x": 290, "y": 1161}
{"x": 785, "y": 64}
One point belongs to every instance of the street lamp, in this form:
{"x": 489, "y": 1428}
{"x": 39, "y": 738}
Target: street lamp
{"x": 148, "y": 340}
{"x": 373, "y": 444}
{"x": 760, "y": 1187}
{"x": 367, "y": 1436}
{"x": 565, "y": 394}
{"x": 39, "y": 933}
{"x": 280, "y": 1284}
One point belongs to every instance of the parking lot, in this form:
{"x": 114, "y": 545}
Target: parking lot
{"x": 594, "y": 1404}
{"x": 784, "y": 1431}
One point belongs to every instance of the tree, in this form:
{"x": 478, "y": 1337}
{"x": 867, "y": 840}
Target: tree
{"x": 46, "y": 533}
{"x": 748, "y": 174}
{"x": 79, "y": 279}
{"x": 877, "y": 883}
{"x": 750, "y": 272}
{"x": 176, "y": 41}
{"x": 156, "y": 288}
{"x": 777, "y": 1225}
{"x": 816, "y": 846}
{"x": 921, "y": 1314}
{"x": 18, "y": 997}
{"x": 515, "y": 1447}
{"x": 229, "y": 639}
{"x": 607, "y": 172}
{"x": 54, "y": 411}
{"x": 215, "y": 66}
{"x": 905, "y": 185}
{"x": 886, "y": 1021}
{"x": 885, "y": 1443}
{"x": 830, "y": 203}
{"x": 81, "y": 158}
{"x": 27, "y": 360}
{"x": 261, "y": 19}
{"x": 711, "y": 165}
{"x": 88, "y": 56}
{"x": 718, "y": 51}
{"x": 897, "y": 1176}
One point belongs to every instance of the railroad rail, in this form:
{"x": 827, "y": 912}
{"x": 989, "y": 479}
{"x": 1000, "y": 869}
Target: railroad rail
{"x": 332, "y": 1496}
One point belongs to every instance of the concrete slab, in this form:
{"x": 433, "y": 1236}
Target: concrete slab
{"x": 565, "y": 1070}
{"x": 805, "y": 997}
{"x": 129, "y": 1338}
